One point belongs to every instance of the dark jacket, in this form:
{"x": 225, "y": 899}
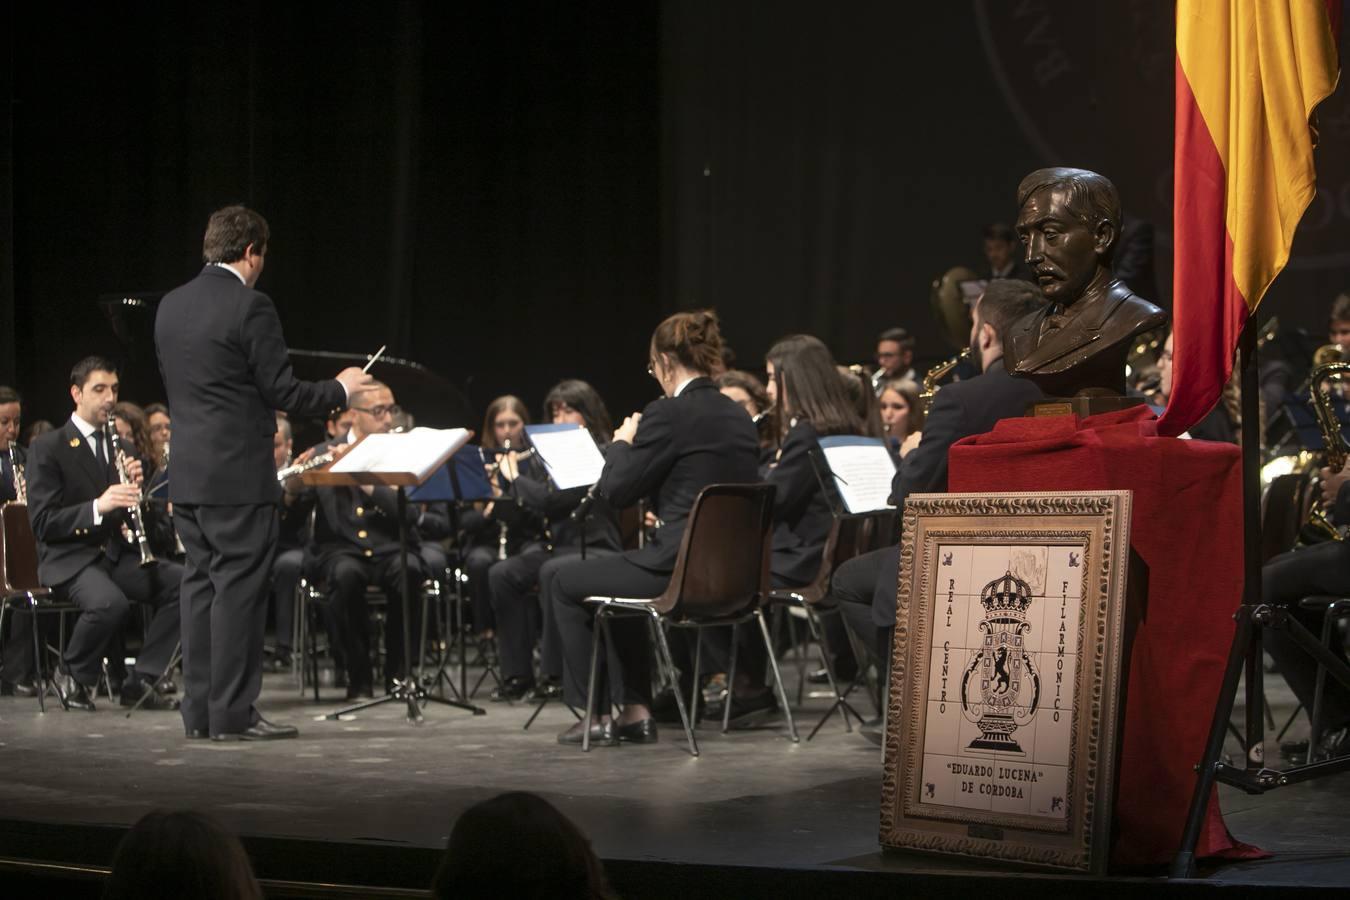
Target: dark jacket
{"x": 227, "y": 371}
{"x": 683, "y": 444}
{"x": 351, "y": 523}
{"x": 64, "y": 480}
{"x": 959, "y": 410}
{"x": 554, "y": 507}
{"x": 801, "y": 514}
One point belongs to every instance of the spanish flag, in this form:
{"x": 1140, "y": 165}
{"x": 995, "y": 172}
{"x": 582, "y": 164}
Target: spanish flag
{"x": 1249, "y": 74}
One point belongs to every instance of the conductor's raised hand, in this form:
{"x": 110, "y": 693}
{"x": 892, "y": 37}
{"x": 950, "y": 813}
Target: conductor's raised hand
{"x": 354, "y": 380}
{"x": 628, "y": 430}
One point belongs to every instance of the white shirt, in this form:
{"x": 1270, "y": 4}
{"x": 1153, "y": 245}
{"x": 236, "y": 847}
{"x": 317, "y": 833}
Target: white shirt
{"x": 232, "y": 269}
{"x": 87, "y": 432}
{"x": 683, "y": 384}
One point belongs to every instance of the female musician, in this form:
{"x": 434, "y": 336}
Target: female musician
{"x": 133, "y": 430}
{"x": 495, "y": 531}
{"x": 690, "y": 438}
{"x": 746, "y": 390}
{"x": 813, "y": 402}
{"x": 901, "y": 411}
{"x": 519, "y": 616}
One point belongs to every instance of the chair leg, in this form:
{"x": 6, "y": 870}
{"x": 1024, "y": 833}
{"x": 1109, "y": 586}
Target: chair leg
{"x": 40, "y": 660}
{"x": 664, "y": 657}
{"x": 731, "y": 682}
{"x": 777, "y": 677}
{"x": 591, "y": 678}
{"x": 839, "y": 702}
{"x": 695, "y": 691}
{"x": 1315, "y": 733}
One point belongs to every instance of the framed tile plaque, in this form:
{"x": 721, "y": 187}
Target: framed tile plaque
{"x": 1006, "y": 677}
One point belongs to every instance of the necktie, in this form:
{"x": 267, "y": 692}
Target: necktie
{"x": 98, "y": 448}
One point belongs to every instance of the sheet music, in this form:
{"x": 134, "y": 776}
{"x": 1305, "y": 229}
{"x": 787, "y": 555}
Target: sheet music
{"x": 863, "y": 474}
{"x": 569, "y": 454}
{"x": 418, "y": 451}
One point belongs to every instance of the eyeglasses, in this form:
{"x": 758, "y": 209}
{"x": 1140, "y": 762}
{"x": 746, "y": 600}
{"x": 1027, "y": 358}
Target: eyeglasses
{"x": 888, "y": 354}
{"x": 380, "y": 412}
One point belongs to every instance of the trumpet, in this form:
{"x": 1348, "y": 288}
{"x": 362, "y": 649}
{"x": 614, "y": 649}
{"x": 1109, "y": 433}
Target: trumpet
{"x": 301, "y": 468}
{"x": 133, "y": 524}
{"x": 20, "y": 480}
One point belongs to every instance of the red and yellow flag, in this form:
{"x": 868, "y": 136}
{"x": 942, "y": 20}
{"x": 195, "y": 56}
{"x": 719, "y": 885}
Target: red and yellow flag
{"x": 1249, "y": 74}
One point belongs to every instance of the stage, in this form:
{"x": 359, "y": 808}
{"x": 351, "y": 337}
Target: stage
{"x": 370, "y": 802}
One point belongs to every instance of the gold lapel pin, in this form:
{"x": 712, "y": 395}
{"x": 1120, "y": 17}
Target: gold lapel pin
{"x": 74, "y": 442}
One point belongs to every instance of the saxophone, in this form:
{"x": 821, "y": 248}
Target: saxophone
{"x": 1336, "y": 450}
{"x": 133, "y": 524}
{"x": 936, "y": 374}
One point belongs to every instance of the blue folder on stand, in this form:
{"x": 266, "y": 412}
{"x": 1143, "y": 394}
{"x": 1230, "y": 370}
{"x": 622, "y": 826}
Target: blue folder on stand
{"x": 469, "y": 478}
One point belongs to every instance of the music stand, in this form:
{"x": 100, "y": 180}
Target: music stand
{"x": 406, "y": 689}
{"x": 460, "y": 480}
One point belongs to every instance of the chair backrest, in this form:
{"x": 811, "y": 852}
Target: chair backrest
{"x": 849, "y": 536}
{"x": 18, "y": 552}
{"x": 722, "y": 568}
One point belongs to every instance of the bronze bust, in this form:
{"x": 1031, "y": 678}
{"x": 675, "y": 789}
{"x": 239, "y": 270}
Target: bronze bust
{"x": 1076, "y": 347}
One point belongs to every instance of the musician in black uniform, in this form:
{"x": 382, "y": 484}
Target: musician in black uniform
{"x": 227, "y": 371}
{"x": 678, "y": 445}
{"x": 519, "y": 616}
{"x": 19, "y": 670}
{"x": 356, "y": 536}
{"x": 865, "y": 586}
{"x": 293, "y": 533}
{"x": 77, "y": 505}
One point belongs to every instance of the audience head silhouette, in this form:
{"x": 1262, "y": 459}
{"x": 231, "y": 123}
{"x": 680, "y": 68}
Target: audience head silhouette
{"x": 181, "y": 854}
{"x": 518, "y": 845}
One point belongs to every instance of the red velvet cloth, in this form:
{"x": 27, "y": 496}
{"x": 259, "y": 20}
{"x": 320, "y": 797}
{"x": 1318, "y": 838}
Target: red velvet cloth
{"x": 1187, "y": 528}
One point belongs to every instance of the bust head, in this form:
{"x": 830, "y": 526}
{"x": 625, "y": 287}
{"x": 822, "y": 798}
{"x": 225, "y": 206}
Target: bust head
{"x": 1068, "y": 221}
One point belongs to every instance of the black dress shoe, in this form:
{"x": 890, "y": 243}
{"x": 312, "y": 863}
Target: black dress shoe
{"x": 135, "y": 688}
{"x": 547, "y": 689}
{"x": 79, "y": 696}
{"x": 666, "y": 711}
{"x": 747, "y": 711}
{"x": 511, "y": 690}
{"x": 261, "y": 730}
{"x": 602, "y": 735}
{"x": 18, "y": 689}
{"x": 640, "y": 732}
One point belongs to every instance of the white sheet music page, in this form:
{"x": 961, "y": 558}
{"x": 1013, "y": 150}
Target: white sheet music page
{"x": 863, "y": 474}
{"x": 418, "y": 451}
{"x": 570, "y": 456}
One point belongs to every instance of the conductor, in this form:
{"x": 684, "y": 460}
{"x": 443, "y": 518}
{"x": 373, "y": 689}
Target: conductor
{"x": 226, "y": 371}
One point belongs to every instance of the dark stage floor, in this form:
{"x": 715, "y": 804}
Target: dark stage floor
{"x": 376, "y": 785}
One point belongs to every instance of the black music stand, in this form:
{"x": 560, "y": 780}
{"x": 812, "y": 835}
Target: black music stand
{"x": 461, "y": 480}
{"x": 406, "y": 689}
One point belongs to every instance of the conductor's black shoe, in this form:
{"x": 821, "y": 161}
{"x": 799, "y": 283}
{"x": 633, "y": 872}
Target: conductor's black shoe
{"x": 641, "y": 732}
{"x": 602, "y": 735}
{"x": 748, "y": 711}
{"x": 511, "y": 689}
{"x": 261, "y": 730}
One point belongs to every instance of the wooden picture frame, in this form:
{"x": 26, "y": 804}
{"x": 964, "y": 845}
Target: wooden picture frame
{"x": 1002, "y": 728}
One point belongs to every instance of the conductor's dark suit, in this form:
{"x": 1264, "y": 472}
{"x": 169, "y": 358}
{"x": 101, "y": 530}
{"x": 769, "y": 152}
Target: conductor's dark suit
{"x": 89, "y": 563}
{"x": 683, "y": 444}
{"x": 866, "y": 585}
{"x": 226, "y": 371}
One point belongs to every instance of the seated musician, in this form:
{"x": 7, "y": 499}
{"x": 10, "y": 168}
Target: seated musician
{"x": 160, "y": 425}
{"x": 293, "y": 534}
{"x": 901, "y": 411}
{"x": 19, "y": 670}
{"x": 1286, "y": 579}
{"x": 356, "y": 536}
{"x": 494, "y": 532}
{"x": 690, "y": 438}
{"x": 133, "y": 427}
{"x": 78, "y": 506}
{"x": 865, "y": 586}
{"x": 520, "y": 618}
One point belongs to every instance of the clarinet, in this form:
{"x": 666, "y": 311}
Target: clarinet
{"x": 20, "y": 480}
{"x": 133, "y": 525}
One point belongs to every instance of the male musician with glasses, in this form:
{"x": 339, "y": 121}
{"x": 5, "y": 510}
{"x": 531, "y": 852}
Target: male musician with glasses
{"x": 895, "y": 354}
{"x": 356, "y": 535}
{"x": 226, "y": 372}
{"x": 77, "y": 504}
